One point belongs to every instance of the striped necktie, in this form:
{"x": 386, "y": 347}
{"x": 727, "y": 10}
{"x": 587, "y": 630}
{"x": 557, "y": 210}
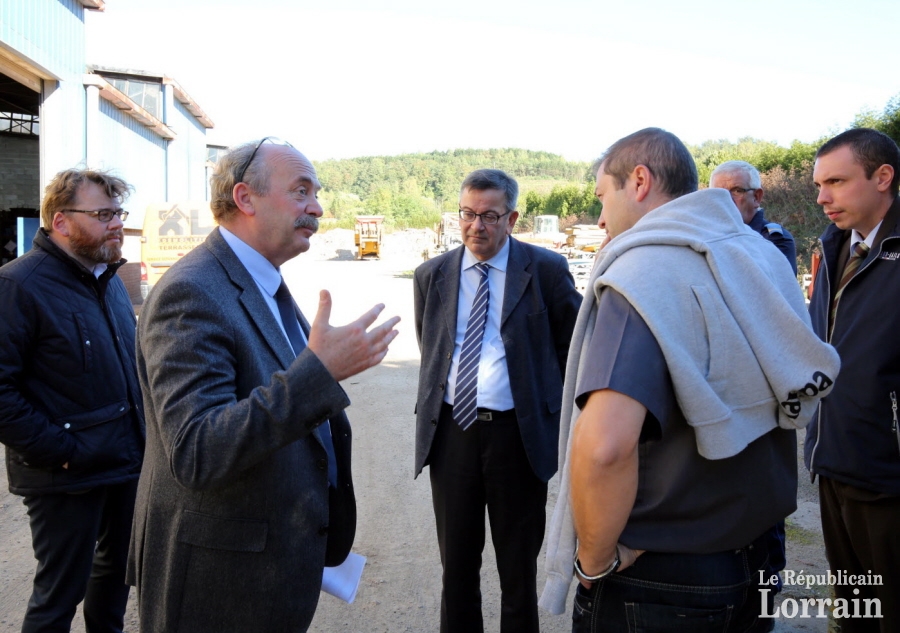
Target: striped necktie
{"x": 295, "y": 336}
{"x": 860, "y": 250}
{"x": 466, "y": 400}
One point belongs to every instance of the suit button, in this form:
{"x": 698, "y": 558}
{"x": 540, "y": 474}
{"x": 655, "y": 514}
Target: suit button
{"x": 322, "y": 464}
{"x": 441, "y": 386}
{"x": 433, "y": 422}
{"x": 323, "y": 530}
{"x": 449, "y": 355}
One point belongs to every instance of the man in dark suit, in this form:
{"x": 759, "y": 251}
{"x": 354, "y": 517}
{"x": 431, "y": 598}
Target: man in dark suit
{"x": 493, "y": 322}
{"x": 246, "y": 491}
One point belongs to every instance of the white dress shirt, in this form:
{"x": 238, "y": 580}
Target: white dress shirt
{"x": 493, "y": 375}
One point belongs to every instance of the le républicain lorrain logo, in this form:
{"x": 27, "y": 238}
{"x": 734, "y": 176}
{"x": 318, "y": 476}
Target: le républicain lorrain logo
{"x": 840, "y": 608}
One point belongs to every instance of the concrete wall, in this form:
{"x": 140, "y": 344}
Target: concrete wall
{"x": 20, "y": 185}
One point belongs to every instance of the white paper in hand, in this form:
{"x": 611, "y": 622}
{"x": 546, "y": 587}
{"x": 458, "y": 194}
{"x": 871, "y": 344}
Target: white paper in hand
{"x": 343, "y": 581}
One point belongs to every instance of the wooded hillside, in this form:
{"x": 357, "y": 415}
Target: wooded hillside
{"x": 412, "y": 190}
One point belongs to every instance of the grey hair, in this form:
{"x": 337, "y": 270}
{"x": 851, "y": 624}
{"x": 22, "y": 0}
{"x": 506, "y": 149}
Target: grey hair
{"x": 224, "y": 178}
{"x": 738, "y": 166}
{"x": 486, "y": 179}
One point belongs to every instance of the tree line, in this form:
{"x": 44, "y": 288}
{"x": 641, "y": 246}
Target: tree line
{"x": 412, "y": 190}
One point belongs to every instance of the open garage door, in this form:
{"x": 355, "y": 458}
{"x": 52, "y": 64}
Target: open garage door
{"x": 20, "y": 101}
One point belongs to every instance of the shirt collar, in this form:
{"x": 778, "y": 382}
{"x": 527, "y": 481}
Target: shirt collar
{"x": 261, "y": 269}
{"x": 498, "y": 261}
{"x": 870, "y": 240}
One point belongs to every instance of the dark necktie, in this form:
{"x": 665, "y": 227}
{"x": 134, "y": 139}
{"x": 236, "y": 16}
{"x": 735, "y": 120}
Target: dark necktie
{"x": 295, "y": 336}
{"x": 465, "y": 405}
{"x": 860, "y": 250}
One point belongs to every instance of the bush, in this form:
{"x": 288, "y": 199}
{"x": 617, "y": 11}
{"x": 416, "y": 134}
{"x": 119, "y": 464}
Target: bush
{"x": 790, "y": 199}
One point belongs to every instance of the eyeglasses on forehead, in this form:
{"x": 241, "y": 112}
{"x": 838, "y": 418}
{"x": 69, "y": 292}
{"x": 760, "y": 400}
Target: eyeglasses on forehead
{"x": 274, "y": 140}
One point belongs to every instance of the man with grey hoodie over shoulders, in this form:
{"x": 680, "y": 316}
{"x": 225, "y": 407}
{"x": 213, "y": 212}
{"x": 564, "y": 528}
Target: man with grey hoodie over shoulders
{"x": 677, "y": 438}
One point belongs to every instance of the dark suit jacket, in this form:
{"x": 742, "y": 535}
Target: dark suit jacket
{"x": 233, "y": 515}
{"x": 540, "y": 304}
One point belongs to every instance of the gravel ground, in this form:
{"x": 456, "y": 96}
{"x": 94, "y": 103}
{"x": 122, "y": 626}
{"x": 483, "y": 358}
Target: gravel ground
{"x": 400, "y": 588}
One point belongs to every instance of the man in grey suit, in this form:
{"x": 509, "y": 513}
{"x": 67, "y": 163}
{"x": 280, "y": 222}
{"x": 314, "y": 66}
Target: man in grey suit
{"x": 493, "y": 322}
{"x": 246, "y": 492}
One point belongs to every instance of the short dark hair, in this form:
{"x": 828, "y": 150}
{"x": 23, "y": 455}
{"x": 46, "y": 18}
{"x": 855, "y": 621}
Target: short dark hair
{"x": 61, "y": 192}
{"x": 486, "y": 179}
{"x": 870, "y": 148}
{"x": 661, "y": 152}
{"x": 224, "y": 178}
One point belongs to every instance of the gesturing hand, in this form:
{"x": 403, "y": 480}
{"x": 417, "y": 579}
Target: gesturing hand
{"x": 348, "y": 350}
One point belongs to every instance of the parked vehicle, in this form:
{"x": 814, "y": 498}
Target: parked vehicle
{"x": 171, "y": 230}
{"x": 368, "y": 235}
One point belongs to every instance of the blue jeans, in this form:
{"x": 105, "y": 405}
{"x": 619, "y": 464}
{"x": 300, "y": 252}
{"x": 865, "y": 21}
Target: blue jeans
{"x": 695, "y": 593}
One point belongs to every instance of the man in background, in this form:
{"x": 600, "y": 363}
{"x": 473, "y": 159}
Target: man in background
{"x": 493, "y": 319}
{"x": 853, "y": 445}
{"x": 70, "y": 405}
{"x": 743, "y": 183}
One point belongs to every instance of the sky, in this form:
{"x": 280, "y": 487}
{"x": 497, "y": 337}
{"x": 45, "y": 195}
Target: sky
{"x": 348, "y": 78}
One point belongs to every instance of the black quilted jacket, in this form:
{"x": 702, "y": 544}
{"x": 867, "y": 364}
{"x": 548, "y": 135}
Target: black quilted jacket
{"x": 69, "y": 392}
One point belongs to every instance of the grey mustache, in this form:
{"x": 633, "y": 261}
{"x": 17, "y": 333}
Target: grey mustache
{"x": 307, "y": 222}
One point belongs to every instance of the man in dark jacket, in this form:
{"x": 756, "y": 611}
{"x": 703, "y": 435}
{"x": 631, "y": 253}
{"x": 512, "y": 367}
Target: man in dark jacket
{"x": 854, "y": 442}
{"x": 70, "y": 404}
{"x": 493, "y": 320}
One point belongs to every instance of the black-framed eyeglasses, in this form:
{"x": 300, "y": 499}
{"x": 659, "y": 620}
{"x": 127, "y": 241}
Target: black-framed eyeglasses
{"x": 739, "y": 191}
{"x": 271, "y": 139}
{"x": 486, "y": 218}
{"x": 104, "y": 215}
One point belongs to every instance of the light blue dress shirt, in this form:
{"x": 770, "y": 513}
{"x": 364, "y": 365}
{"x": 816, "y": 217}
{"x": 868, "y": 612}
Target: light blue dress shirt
{"x": 494, "y": 391}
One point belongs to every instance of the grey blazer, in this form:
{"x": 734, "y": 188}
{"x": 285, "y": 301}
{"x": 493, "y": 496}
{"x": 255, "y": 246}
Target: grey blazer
{"x": 540, "y": 304}
{"x": 233, "y": 522}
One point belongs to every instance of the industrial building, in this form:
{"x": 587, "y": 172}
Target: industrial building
{"x": 57, "y": 111}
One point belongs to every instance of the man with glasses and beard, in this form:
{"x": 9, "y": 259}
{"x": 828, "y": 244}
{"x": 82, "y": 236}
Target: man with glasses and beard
{"x": 247, "y": 492}
{"x": 70, "y": 403}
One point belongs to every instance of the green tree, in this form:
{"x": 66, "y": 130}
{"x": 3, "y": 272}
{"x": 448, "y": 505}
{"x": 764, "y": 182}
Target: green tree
{"x": 888, "y": 121}
{"x": 534, "y": 204}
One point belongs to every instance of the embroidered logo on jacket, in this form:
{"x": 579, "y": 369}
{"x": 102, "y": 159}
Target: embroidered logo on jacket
{"x": 891, "y": 256}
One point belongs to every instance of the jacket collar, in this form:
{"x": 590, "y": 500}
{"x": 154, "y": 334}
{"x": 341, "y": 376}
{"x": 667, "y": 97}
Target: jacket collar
{"x": 43, "y": 242}
{"x": 833, "y": 237}
{"x": 517, "y": 279}
{"x": 251, "y": 298}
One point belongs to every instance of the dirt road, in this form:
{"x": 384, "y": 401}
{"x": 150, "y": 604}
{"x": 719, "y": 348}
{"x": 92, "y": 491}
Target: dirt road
{"x": 400, "y": 588}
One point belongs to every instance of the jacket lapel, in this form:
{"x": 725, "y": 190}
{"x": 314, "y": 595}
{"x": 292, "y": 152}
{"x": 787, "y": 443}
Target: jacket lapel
{"x": 447, "y": 284}
{"x": 251, "y": 299}
{"x": 517, "y": 279}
